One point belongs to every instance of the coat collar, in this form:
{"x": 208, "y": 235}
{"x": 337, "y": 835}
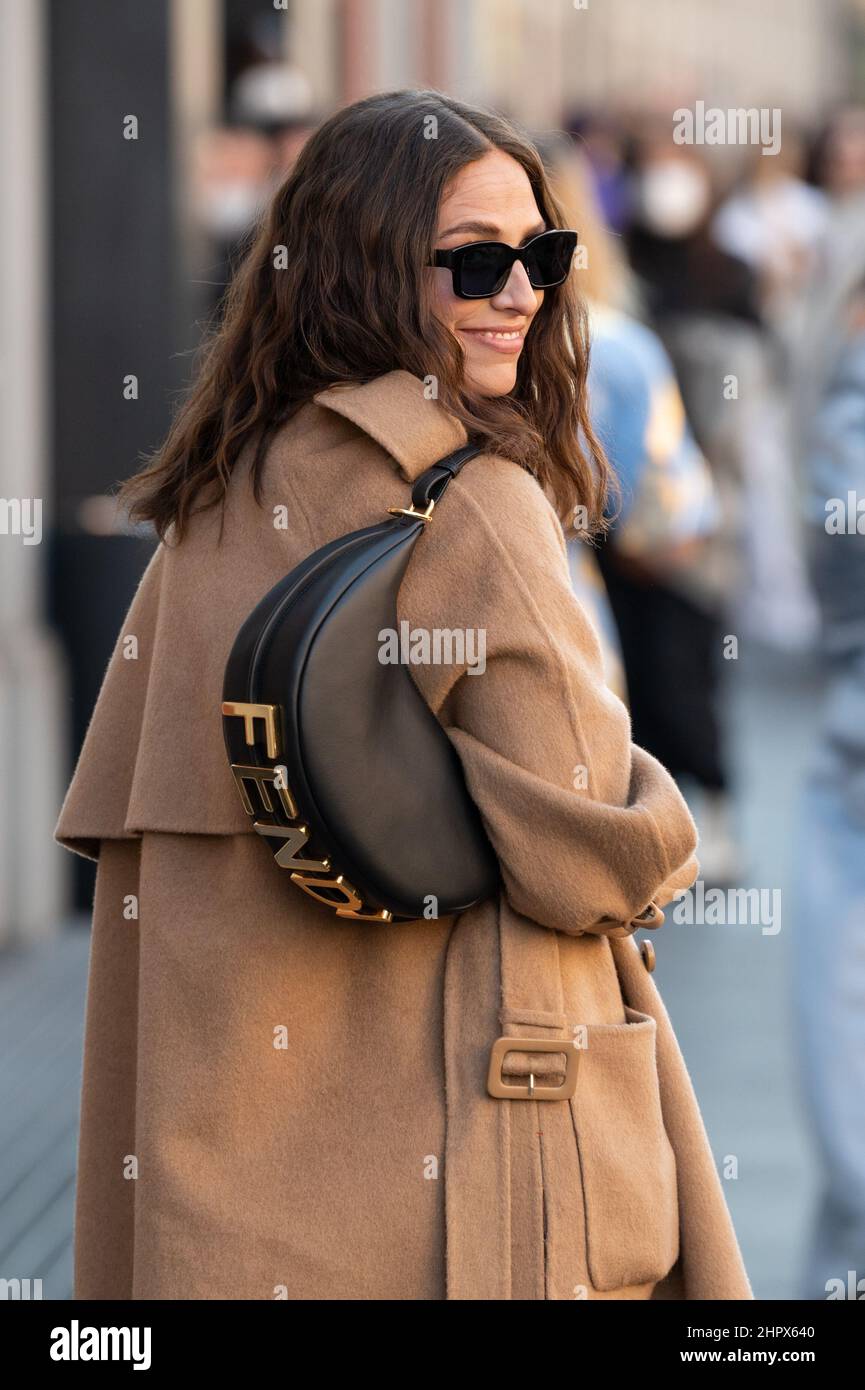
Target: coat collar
{"x": 396, "y": 412}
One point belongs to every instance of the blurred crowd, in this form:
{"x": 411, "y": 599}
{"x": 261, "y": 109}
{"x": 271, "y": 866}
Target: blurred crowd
{"x": 727, "y": 309}
{"x": 728, "y": 384}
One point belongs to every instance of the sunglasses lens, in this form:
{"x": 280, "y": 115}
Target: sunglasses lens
{"x": 550, "y": 259}
{"x": 484, "y": 270}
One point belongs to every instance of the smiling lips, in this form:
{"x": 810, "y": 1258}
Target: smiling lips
{"x": 509, "y": 340}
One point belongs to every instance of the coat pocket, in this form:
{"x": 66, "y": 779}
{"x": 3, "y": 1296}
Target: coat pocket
{"x": 628, "y": 1164}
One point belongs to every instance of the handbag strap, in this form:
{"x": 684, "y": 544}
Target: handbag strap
{"x": 431, "y": 484}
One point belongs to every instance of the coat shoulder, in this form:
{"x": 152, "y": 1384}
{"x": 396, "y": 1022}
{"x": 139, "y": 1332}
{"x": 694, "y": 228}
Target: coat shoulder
{"x": 511, "y": 520}
{"x": 495, "y": 548}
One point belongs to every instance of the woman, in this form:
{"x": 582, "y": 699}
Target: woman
{"x": 301, "y": 1105}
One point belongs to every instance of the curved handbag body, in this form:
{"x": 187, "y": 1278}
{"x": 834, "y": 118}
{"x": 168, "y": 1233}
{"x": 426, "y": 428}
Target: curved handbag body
{"x": 336, "y": 755}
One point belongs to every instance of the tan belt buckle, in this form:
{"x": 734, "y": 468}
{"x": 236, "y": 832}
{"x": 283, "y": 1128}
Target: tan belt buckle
{"x": 530, "y": 1090}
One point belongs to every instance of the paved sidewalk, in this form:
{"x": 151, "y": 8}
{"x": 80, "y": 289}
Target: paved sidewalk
{"x": 41, "y": 1027}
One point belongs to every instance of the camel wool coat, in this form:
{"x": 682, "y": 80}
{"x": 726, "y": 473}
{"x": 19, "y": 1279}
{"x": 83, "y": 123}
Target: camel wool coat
{"x": 278, "y": 1103}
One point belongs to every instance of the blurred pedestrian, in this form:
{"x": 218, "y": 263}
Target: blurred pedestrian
{"x": 659, "y": 549}
{"x": 774, "y": 222}
{"x": 706, "y": 304}
{"x": 666, "y": 499}
{"x": 829, "y": 959}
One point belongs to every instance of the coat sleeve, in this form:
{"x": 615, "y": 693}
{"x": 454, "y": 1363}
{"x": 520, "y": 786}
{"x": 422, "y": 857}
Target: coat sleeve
{"x": 590, "y": 830}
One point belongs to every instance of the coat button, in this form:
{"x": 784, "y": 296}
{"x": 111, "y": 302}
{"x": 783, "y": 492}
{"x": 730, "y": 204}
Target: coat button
{"x": 647, "y": 951}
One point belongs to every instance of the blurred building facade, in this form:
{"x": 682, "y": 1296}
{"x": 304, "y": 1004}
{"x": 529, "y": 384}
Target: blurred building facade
{"x": 538, "y": 58}
{"x": 33, "y": 748}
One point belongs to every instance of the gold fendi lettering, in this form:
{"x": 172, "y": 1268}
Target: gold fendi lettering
{"x": 353, "y": 906}
{"x": 333, "y": 891}
{"x": 249, "y": 713}
{"x": 383, "y": 916}
{"x": 263, "y": 777}
{"x": 353, "y": 903}
{"x": 338, "y": 884}
{"x": 295, "y": 837}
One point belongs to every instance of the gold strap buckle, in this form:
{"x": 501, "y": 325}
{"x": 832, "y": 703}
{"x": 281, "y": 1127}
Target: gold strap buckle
{"x": 410, "y": 511}
{"x": 530, "y": 1090}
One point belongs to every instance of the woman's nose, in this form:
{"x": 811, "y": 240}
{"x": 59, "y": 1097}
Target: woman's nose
{"x": 517, "y": 293}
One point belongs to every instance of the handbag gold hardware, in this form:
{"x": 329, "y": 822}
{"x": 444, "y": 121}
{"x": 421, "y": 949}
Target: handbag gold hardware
{"x": 286, "y": 856}
{"x": 249, "y": 713}
{"x": 317, "y": 877}
{"x": 263, "y": 777}
{"x": 410, "y": 511}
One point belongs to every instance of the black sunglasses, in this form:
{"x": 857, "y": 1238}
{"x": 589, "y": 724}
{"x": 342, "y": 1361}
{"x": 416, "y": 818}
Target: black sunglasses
{"x": 481, "y": 269}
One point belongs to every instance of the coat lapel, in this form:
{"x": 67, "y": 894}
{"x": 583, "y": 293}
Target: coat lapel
{"x": 398, "y": 412}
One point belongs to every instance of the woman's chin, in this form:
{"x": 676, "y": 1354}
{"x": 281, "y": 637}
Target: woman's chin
{"x": 492, "y": 379}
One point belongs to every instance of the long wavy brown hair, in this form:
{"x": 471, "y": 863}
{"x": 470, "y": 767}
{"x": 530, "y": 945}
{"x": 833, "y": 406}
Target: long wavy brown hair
{"x": 333, "y": 289}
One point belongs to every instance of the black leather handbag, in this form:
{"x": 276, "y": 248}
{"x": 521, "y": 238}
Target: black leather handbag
{"x": 337, "y": 757}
